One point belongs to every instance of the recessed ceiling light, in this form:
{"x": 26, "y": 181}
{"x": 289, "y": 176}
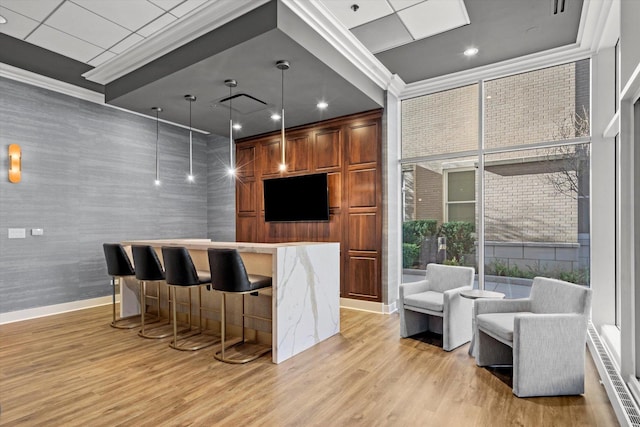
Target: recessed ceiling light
{"x": 488, "y": 96}
{"x": 275, "y": 117}
{"x": 322, "y": 105}
{"x": 472, "y": 51}
{"x": 237, "y": 126}
{"x": 3, "y": 20}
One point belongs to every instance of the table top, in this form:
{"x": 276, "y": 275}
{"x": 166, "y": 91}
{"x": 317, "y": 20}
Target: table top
{"x": 480, "y": 293}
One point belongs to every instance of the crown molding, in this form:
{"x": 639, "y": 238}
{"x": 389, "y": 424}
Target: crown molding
{"x": 320, "y": 19}
{"x": 592, "y": 32}
{"x": 34, "y": 79}
{"x": 197, "y": 23}
{"x": 38, "y": 80}
{"x": 547, "y": 58}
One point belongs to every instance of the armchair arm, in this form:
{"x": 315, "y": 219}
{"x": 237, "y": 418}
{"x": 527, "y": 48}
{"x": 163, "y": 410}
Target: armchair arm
{"x": 502, "y": 305}
{"x": 411, "y": 288}
{"x": 451, "y": 293}
{"x": 549, "y": 354}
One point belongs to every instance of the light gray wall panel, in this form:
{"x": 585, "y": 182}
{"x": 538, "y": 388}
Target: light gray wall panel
{"x": 88, "y": 173}
{"x": 221, "y": 192}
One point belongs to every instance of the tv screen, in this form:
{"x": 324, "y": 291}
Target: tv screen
{"x": 296, "y": 198}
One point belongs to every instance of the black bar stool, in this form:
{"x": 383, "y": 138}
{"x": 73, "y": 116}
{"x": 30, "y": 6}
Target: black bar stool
{"x": 229, "y": 276}
{"x": 119, "y": 266}
{"x": 149, "y": 269}
{"x": 181, "y": 273}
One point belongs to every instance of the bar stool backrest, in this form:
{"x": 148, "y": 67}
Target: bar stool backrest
{"x": 178, "y": 266}
{"x": 228, "y": 272}
{"x": 118, "y": 262}
{"x": 148, "y": 265}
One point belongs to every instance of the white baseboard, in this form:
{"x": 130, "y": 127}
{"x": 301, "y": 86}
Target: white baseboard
{"x": 374, "y": 307}
{"x": 33, "y": 313}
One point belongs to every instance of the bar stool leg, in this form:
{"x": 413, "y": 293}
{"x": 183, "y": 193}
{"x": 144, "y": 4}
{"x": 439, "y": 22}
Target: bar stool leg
{"x": 175, "y": 320}
{"x": 224, "y": 321}
{"x": 113, "y": 287}
{"x": 143, "y": 302}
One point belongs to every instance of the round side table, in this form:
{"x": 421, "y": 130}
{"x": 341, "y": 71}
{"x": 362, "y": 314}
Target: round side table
{"x": 476, "y": 294}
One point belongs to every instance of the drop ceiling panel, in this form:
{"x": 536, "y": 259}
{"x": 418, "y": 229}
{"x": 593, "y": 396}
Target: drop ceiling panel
{"x": 103, "y": 57}
{"x": 126, "y": 43}
{"x": 403, "y": 4}
{"x": 135, "y": 15}
{"x": 369, "y": 10}
{"x": 166, "y": 4}
{"x": 156, "y": 25}
{"x": 57, "y": 41}
{"x": 382, "y": 34}
{"x": 34, "y": 9}
{"x": 187, "y": 7}
{"x": 83, "y": 24}
{"x": 433, "y": 17}
{"x": 17, "y": 26}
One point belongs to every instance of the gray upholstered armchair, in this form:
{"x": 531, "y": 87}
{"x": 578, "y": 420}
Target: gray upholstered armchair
{"x": 435, "y": 305}
{"x": 543, "y": 336}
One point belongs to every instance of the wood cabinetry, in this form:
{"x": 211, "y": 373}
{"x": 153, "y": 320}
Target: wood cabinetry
{"x": 348, "y": 149}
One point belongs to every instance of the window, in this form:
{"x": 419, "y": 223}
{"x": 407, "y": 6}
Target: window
{"x": 461, "y": 196}
{"x": 533, "y": 187}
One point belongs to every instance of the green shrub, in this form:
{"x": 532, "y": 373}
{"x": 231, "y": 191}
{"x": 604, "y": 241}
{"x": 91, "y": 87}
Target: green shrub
{"x": 460, "y": 241}
{"x": 579, "y": 277}
{"x": 416, "y": 230}
{"x": 410, "y": 254}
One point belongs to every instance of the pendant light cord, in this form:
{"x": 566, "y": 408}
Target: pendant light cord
{"x": 190, "y": 143}
{"x": 282, "y": 119}
{"x": 157, "y": 138}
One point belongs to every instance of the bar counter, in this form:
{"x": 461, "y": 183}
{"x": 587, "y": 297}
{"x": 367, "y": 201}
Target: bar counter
{"x": 304, "y": 302}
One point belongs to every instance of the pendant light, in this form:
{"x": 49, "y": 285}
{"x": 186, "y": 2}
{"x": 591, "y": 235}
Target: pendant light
{"x": 191, "y": 100}
{"x": 157, "y": 110}
{"x": 231, "y": 83}
{"x": 283, "y": 65}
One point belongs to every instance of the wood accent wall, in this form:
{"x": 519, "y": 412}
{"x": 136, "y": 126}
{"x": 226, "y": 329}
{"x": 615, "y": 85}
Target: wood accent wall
{"x": 349, "y": 150}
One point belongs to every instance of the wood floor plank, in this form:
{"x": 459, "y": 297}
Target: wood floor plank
{"x": 74, "y": 370}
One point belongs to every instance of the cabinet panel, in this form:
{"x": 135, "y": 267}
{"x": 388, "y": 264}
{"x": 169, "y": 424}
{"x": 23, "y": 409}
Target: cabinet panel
{"x": 327, "y": 152}
{"x": 363, "y": 278}
{"x": 246, "y": 197}
{"x": 335, "y": 190}
{"x": 270, "y": 158}
{"x": 363, "y": 188}
{"x": 298, "y": 154}
{"x": 362, "y": 232}
{"x": 363, "y": 144}
{"x": 247, "y": 229}
{"x": 245, "y": 161}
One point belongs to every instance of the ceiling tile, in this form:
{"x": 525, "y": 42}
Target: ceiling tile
{"x": 369, "y": 10}
{"x": 186, "y": 7}
{"x": 64, "y": 44}
{"x": 166, "y": 4}
{"x": 126, "y": 43}
{"x": 34, "y": 9}
{"x": 85, "y": 25}
{"x": 434, "y": 17}
{"x": 133, "y": 15}
{"x": 156, "y": 25}
{"x": 382, "y": 34}
{"x": 103, "y": 57}
{"x": 17, "y": 26}
{"x": 403, "y": 4}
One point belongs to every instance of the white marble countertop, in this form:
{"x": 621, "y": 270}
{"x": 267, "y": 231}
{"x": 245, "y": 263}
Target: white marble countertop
{"x": 203, "y": 244}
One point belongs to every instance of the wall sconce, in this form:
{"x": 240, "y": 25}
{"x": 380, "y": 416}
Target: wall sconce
{"x": 15, "y": 163}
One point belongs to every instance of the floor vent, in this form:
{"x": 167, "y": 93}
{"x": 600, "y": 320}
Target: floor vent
{"x": 620, "y": 396}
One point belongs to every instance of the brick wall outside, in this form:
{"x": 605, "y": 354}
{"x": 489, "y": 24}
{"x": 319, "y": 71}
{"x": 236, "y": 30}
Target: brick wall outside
{"x": 443, "y": 122}
{"x": 522, "y": 109}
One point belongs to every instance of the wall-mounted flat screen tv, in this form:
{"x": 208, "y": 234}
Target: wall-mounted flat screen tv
{"x": 296, "y": 198}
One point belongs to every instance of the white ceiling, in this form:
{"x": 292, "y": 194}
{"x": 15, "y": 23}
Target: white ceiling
{"x": 384, "y": 24}
{"x": 90, "y": 31}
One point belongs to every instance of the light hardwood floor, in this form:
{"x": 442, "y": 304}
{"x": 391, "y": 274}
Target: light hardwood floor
{"x": 73, "y": 369}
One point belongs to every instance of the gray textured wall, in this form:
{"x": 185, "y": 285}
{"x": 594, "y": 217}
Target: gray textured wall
{"x": 88, "y": 173}
{"x": 221, "y": 192}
